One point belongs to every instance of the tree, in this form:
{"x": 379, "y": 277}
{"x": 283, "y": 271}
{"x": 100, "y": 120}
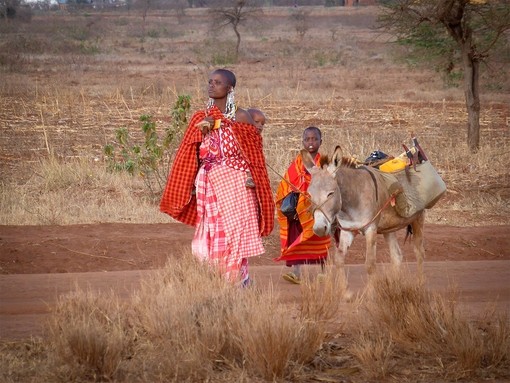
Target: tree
{"x": 146, "y": 5}
{"x": 301, "y": 21}
{"x": 463, "y": 31}
{"x": 8, "y": 8}
{"x": 234, "y": 13}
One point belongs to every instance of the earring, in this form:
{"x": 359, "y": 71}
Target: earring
{"x": 230, "y": 109}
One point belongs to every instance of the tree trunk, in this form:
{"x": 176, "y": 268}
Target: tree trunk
{"x": 238, "y": 44}
{"x": 472, "y": 94}
{"x": 452, "y": 14}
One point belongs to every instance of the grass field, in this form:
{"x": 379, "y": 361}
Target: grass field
{"x": 69, "y": 81}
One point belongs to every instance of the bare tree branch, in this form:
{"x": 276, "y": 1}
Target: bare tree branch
{"x": 234, "y": 13}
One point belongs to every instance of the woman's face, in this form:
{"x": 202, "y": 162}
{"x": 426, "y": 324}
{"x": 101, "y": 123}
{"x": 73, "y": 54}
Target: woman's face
{"x": 218, "y": 86}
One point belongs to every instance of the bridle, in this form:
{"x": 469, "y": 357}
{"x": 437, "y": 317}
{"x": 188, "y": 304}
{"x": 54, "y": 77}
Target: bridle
{"x": 335, "y": 223}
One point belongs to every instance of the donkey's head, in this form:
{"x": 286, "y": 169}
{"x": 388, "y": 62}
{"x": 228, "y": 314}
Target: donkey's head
{"x": 324, "y": 191}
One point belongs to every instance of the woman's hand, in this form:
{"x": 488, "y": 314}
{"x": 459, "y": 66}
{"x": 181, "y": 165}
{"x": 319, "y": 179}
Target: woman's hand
{"x": 208, "y": 124}
{"x": 205, "y": 125}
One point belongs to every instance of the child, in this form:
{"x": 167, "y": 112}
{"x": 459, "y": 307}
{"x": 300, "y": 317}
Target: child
{"x": 258, "y": 117}
{"x": 299, "y": 244}
{"x": 260, "y": 120}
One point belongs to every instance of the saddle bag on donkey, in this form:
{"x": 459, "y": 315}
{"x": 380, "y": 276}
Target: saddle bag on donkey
{"x": 420, "y": 184}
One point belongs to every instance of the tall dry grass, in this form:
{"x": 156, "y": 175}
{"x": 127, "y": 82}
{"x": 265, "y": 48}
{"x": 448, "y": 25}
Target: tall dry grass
{"x": 186, "y": 324}
{"x": 476, "y": 183}
{"x": 89, "y": 337}
{"x": 81, "y": 190}
{"x": 407, "y": 328}
{"x": 76, "y": 191}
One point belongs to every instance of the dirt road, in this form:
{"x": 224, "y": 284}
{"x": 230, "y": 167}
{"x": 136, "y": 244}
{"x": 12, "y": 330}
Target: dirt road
{"x": 39, "y": 263}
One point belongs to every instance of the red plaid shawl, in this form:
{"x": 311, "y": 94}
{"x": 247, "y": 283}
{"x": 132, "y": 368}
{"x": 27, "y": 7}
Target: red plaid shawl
{"x": 177, "y": 200}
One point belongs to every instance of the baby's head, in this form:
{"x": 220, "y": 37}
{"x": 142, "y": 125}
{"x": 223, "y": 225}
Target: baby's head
{"x": 258, "y": 118}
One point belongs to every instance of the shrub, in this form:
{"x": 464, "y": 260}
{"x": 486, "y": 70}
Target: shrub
{"x": 149, "y": 159}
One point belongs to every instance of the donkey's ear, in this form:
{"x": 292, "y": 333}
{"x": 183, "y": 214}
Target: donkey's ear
{"x": 336, "y": 159}
{"x": 337, "y": 156}
{"x": 307, "y": 160}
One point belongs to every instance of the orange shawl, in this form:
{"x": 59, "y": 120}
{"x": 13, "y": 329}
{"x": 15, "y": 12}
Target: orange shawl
{"x": 178, "y": 201}
{"x": 307, "y": 246}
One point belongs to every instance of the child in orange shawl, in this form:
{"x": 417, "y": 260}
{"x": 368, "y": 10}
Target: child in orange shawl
{"x": 299, "y": 244}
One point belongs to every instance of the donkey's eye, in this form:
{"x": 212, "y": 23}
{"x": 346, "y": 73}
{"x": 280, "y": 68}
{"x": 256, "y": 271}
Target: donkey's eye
{"x": 330, "y": 194}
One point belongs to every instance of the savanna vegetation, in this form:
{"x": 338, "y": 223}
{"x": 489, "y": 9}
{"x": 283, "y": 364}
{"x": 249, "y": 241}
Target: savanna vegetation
{"x": 92, "y": 106}
{"x": 185, "y": 324}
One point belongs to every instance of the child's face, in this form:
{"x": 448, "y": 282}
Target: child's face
{"x": 311, "y": 141}
{"x": 259, "y": 120}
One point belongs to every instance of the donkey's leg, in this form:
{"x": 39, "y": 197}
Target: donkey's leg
{"x": 345, "y": 242}
{"x": 395, "y": 252}
{"x": 419, "y": 250}
{"x": 371, "y": 242}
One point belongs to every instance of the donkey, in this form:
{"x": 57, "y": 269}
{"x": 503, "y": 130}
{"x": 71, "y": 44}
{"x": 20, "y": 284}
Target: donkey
{"x": 348, "y": 200}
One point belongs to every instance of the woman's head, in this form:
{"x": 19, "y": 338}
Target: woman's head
{"x": 221, "y": 91}
{"x": 312, "y": 139}
{"x": 221, "y": 82}
{"x": 228, "y": 75}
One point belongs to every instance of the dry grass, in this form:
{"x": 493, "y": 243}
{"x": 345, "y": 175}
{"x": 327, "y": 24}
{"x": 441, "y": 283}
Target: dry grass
{"x": 76, "y": 191}
{"x": 80, "y": 190}
{"x": 89, "y": 337}
{"x": 351, "y": 86}
{"x": 408, "y": 328}
{"x": 186, "y": 324}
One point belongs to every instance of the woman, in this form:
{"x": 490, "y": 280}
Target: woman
{"x": 206, "y": 187}
{"x": 299, "y": 244}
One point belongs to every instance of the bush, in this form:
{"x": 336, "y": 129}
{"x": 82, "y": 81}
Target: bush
{"x": 150, "y": 158}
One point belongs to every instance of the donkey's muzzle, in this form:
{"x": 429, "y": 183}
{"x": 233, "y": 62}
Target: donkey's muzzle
{"x": 321, "y": 225}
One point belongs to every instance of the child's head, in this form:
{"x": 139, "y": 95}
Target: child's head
{"x": 258, "y": 117}
{"x": 312, "y": 139}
